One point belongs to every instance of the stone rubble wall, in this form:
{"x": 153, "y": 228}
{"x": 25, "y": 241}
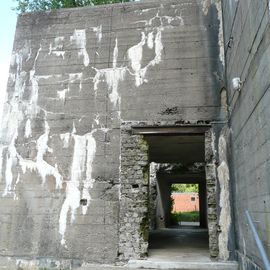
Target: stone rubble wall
{"x": 134, "y": 195}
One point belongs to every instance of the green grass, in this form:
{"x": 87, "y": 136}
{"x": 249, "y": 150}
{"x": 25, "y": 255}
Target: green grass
{"x": 193, "y": 216}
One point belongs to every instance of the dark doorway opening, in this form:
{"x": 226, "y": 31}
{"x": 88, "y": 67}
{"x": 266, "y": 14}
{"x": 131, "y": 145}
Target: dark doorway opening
{"x": 176, "y": 160}
{"x": 182, "y": 150}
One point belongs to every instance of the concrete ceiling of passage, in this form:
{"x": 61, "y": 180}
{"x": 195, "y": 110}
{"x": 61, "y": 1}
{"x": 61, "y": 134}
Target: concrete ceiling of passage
{"x": 182, "y": 178}
{"x": 184, "y": 149}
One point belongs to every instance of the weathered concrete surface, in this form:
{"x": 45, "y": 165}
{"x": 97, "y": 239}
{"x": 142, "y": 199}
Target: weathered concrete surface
{"x": 75, "y": 75}
{"x": 247, "y": 35}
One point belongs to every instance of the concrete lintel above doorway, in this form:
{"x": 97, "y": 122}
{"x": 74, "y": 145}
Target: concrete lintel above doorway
{"x": 170, "y": 130}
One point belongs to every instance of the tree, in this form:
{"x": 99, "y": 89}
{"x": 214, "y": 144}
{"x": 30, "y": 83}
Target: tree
{"x": 35, "y": 5}
{"x": 184, "y": 188}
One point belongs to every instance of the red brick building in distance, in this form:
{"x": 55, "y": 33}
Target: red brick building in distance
{"x": 185, "y": 202}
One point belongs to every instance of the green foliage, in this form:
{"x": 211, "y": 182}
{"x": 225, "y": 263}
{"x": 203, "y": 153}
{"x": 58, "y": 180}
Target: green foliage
{"x": 193, "y": 216}
{"x": 35, "y": 5}
{"x": 185, "y": 188}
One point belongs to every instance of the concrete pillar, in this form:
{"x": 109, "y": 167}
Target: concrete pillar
{"x": 160, "y": 213}
{"x": 153, "y": 195}
{"x": 163, "y": 203}
{"x": 203, "y": 205}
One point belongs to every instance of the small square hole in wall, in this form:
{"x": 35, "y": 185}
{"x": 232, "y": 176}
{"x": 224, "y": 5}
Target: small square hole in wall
{"x": 193, "y": 199}
{"x": 83, "y": 202}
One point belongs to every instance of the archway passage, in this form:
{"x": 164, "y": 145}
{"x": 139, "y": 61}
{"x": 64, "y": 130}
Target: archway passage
{"x": 173, "y": 203}
{"x": 177, "y": 159}
{"x": 181, "y": 149}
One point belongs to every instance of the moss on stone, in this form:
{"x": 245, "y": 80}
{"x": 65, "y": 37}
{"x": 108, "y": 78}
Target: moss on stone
{"x": 143, "y": 145}
{"x": 144, "y": 229}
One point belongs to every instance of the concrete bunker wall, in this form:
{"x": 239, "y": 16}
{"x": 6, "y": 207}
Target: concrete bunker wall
{"x": 75, "y": 76}
{"x": 247, "y": 55}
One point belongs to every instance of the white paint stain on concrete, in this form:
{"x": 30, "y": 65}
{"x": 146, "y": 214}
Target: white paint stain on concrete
{"x": 12, "y": 117}
{"x": 1, "y": 161}
{"x": 28, "y": 129}
{"x": 81, "y": 180}
{"x": 98, "y": 31}
{"x": 12, "y": 114}
{"x": 89, "y": 182}
{"x": 150, "y": 40}
{"x": 33, "y": 108}
{"x": 205, "y": 6}
{"x": 84, "y": 150}
{"x": 72, "y": 200}
{"x": 65, "y": 139}
{"x": 57, "y": 48}
{"x": 12, "y": 77}
{"x": 72, "y": 78}
{"x": 17, "y": 110}
{"x": 62, "y": 94}
{"x": 79, "y": 38}
{"x": 59, "y": 53}
{"x": 158, "y": 49}
{"x": 24, "y": 264}
{"x": 224, "y": 203}
{"x": 15, "y": 196}
{"x": 220, "y": 34}
{"x": 96, "y": 120}
{"x": 34, "y": 94}
{"x": 42, "y": 167}
{"x": 165, "y": 21}
{"x": 154, "y": 41}
{"x": 112, "y": 77}
{"x": 10, "y": 162}
{"x": 115, "y": 53}
{"x": 23, "y": 54}
{"x": 135, "y": 55}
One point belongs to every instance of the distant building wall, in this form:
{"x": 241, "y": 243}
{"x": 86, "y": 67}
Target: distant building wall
{"x": 185, "y": 202}
{"x": 247, "y": 55}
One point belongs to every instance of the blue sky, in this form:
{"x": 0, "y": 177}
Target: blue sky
{"x": 8, "y": 20}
